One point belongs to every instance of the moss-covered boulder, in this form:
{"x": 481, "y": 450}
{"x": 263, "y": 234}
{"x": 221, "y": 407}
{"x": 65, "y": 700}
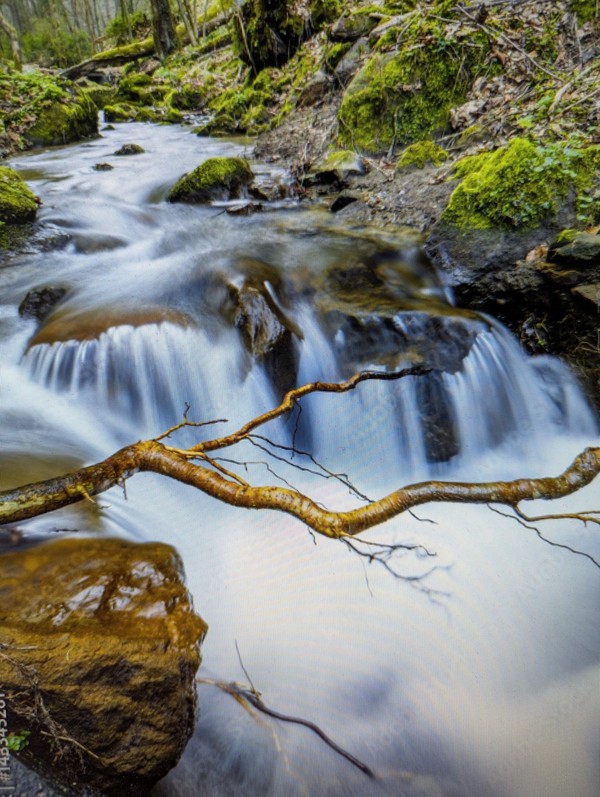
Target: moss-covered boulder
{"x": 215, "y": 179}
{"x": 406, "y": 94}
{"x": 18, "y": 204}
{"x": 100, "y": 647}
{"x": 523, "y": 185}
{"x": 71, "y": 118}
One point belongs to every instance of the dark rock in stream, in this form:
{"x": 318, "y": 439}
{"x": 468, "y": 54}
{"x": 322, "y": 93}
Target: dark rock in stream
{"x": 268, "y": 334}
{"x": 39, "y": 303}
{"x": 100, "y": 647}
{"x": 547, "y": 296}
{"x": 130, "y": 149}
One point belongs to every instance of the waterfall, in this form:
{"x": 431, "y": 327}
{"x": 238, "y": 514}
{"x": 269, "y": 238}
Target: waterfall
{"x": 479, "y": 680}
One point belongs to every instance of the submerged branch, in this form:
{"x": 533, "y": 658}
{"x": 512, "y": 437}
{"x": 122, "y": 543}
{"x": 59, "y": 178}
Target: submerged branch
{"x": 153, "y": 456}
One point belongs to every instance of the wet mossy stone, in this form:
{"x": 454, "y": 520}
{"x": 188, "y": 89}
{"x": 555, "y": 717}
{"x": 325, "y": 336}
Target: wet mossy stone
{"x": 18, "y": 204}
{"x": 577, "y": 249}
{"x": 71, "y": 119}
{"x": 130, "y": 149}
{"x": 215, "y": 179}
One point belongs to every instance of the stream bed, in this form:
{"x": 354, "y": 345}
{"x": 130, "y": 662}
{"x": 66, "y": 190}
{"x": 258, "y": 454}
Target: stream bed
{"x": 477, "y": 678}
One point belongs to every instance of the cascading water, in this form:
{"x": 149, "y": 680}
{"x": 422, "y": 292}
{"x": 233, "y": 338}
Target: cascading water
{"x": 485, "y": 687}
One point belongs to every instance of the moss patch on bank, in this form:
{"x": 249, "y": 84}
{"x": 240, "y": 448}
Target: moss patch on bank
{"x": 40, "y": 110}
{"x": 523, "y": 184}
{"x": 17, "y": 202}
{"x": 404, "y": 95}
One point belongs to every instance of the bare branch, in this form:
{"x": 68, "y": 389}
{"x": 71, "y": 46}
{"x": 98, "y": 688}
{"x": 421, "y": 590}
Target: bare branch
{"x": 153, "y": 456}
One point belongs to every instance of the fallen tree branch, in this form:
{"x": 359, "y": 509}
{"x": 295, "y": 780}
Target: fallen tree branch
{"x": 154, "y": 456}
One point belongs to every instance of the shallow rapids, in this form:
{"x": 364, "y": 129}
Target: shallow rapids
{"x": 480, "y": 679}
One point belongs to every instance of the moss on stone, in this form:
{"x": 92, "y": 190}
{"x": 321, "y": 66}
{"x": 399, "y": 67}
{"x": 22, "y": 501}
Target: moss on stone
{"x": 73, "y": 118}
{"x": 422, "y": 153}
{"x": 100, "y": 95}
{"x": 216, "y": 178}
{"x": 519, "y": 185}
{"x": 17, "y": 202}
{"x": 404, "y": 95}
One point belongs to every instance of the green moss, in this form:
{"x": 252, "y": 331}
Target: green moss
{"x": 585, "y": 9}
{"x": 17, "y": 202}
{"x": 520, "y": 185}
{"x": 334, "y": 55}
{"x": 323, "y": 12}
{"x": 408, "y": 94}
{"x": 62, "y": 122}
{"x": 216, "y": 178}
{"x": 422, "y": 153}
{"x": 100, "y": 95}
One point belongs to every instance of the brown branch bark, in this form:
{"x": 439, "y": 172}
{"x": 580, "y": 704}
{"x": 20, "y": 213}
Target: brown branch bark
{"x": 154, "y": 456}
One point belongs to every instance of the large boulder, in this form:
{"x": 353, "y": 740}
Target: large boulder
{"x": 71, "y": 118}
{"x": 18, "y": 204}
{"x": 98, "y": 656}
{"x": 215, "y": 179}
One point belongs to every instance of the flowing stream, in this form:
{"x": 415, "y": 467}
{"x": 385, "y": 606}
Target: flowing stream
{"x": 479, "y": 680}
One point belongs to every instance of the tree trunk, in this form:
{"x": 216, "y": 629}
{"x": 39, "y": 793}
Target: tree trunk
{"x": 14, "y": 40}
{"x": 163, "y": 28}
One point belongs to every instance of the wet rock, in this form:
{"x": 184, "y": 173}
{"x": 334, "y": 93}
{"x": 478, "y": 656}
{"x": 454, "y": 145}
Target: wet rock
{"x": 216, "y": 179}
{"x": 336, "y": 168}
{"x": 244, "y": 208}
{"x": 100, "y": 647}
{"x": 268, "y": 334}
{"x": 130, "y": 149}
{"x": 350, "y": 62}
{"x": 315, "y": 90}
{"x": 343, "y": 199}
{"x": 351, "y": 27}
{"x": 577, "y": 250}
{"x": 77, "y": 324}
{"x": 103, "y": 167}
{"x": 38, "y": 303}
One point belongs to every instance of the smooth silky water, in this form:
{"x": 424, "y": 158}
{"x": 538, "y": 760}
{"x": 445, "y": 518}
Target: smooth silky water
{"x": 483, "y": 679}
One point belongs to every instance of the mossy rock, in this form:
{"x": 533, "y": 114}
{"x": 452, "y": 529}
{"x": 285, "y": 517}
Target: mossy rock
{"x": 406, "y": 95}
{"x": 64, "y": 121}
{"x": 420, "y": 154}
{"x": 215, "y": 179}
{"x": 126, "y": 112}
{"x": 17, "y": 202}
{"x": 101, "y": 95}
{"x": 521, "y": 185}
{"x": 338, "y": 166}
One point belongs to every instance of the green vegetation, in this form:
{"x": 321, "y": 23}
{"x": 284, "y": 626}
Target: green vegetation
{"x": 422, "y": 153}
{"x": 17, "y": 741}
{"x": 71, "y": 119}
{"x": 406, "y": 94}
{"x": 51, "y": 45}
{"x": 520, "y": 185}
{"x": 17, "y": 202}
{"x": 216, "y": 178}
{"x": 41, "y": 109}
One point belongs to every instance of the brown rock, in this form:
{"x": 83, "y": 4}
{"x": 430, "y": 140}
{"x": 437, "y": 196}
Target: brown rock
{"x": 98, "y": 655}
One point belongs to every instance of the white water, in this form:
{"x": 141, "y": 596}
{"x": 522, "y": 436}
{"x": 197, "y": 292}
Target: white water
{"x": 492, "y": 689}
